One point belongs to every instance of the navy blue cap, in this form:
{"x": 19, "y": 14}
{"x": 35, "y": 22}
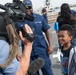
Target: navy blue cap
{"x": 27, "y": 3}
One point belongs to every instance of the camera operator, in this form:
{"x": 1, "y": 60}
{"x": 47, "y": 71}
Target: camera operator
{"x": 16, "y": 67}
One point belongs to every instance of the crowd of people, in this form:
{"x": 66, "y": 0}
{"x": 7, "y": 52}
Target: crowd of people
{"x": 12, "y": 63}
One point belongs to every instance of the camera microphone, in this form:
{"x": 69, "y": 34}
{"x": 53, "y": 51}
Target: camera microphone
{"x": 35, "y": 66}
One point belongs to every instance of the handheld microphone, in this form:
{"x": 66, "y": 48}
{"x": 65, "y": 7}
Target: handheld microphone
{"x": 35, "y": 66}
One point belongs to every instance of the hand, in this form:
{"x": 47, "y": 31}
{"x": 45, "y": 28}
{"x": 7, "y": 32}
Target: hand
{"x": 24, "y": 39}
{"x": 50, "y": 49}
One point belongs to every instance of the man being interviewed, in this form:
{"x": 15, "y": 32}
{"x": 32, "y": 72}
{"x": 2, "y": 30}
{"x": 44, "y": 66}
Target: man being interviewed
{"x": 40, "y": 47}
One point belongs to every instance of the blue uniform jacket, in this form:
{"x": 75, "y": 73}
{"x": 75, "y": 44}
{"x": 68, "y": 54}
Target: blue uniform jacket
{"x": 39, "y": 26}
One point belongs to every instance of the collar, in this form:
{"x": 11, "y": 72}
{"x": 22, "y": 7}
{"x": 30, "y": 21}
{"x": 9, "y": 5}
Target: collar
{"x": 34, "y": 14}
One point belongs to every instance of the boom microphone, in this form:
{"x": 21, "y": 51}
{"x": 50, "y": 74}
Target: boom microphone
{"x": 35, "y": 66}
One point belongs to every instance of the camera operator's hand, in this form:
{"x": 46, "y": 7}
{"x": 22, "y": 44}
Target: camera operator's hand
{"x": 24, "y": 39}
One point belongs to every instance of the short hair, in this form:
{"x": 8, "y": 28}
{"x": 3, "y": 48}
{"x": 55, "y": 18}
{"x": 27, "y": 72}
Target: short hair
{"x": 68, "y": 28}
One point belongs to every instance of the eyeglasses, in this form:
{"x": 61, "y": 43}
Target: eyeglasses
{"x": 28, "y": 7}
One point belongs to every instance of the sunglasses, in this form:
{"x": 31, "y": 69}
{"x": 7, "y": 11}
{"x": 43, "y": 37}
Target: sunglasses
{"x": 28, "y": 7}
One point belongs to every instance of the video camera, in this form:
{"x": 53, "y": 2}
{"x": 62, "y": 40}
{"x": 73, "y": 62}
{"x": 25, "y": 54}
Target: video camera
{"x": 17, "y": 13}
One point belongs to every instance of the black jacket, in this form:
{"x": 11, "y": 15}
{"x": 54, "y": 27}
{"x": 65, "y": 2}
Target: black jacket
{"x": 71, "y": 21}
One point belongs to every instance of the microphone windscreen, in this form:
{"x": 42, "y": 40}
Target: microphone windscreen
{"x": 36, "y": 65}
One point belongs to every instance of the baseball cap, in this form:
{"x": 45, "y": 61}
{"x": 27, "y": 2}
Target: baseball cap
{"x": 27, "y": 3}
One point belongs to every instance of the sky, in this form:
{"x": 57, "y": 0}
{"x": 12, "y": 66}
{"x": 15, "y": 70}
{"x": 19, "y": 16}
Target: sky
{"x": 40, "y": 3}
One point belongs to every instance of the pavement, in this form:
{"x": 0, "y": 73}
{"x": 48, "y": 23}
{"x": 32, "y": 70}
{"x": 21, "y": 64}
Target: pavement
{"x": 56, "y": 66}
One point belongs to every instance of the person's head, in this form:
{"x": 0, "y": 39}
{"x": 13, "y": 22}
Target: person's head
{"x": 65, "y": 10}
{"x": 28, "y": 6}
{"x": 2, "y": 25}
{"x": 3, "y": 30}
{"x": 65, "y": 34}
